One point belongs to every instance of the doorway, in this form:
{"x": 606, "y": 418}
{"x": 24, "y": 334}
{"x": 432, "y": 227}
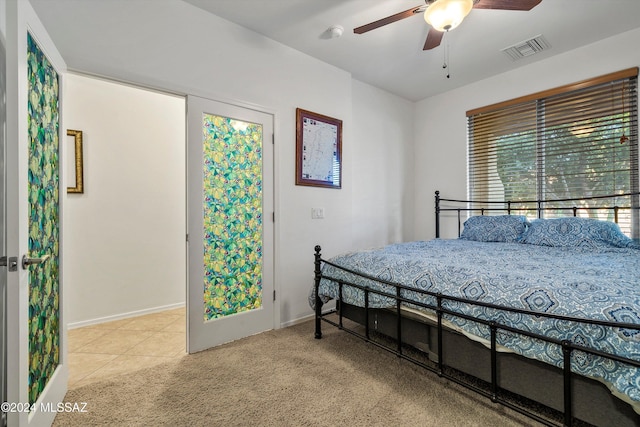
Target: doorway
{"x": 125, "y": 234}
{"x": 127, "y": 231}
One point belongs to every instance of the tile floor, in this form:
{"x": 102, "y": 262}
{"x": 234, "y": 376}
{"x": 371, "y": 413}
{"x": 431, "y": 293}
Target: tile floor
{"x": 98, "y": 352}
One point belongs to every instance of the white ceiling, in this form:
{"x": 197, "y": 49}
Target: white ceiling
{"x": 391, "y": 57}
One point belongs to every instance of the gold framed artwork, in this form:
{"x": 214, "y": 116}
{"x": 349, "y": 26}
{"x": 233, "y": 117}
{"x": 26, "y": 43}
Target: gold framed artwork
{"x": 318, "y": 150}
{"x": 79, "y": 167}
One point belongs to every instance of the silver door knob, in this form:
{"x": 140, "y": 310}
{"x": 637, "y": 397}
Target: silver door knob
{"x": 26, "y": 261}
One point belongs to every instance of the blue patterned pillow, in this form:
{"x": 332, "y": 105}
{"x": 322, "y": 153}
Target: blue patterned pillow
{"x": 501, "y": 228}
{"x": 576, "y": 232}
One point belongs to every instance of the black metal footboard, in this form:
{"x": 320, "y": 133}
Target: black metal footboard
{"x": 495, "y": 393}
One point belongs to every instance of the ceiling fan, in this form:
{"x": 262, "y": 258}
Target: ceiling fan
{"x": 445, "y": 15}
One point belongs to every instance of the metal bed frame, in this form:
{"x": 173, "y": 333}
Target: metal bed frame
{"x": 495, "y": 392}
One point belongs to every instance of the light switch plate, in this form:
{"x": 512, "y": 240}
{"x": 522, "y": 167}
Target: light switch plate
{"x": 317, "y": 213}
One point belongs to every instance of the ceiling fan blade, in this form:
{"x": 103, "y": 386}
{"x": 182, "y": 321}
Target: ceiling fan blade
{"x": 388, "y": 20}
{"x": 433, "y": 39}
{"x": 507, "y": 4}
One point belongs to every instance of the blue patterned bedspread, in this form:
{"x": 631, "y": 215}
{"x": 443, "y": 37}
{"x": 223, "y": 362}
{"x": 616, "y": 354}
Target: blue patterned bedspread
{"x": 601, "y": 283}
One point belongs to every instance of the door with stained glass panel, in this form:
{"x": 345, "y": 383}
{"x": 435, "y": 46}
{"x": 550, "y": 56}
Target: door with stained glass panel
{"x": 230, "y": 226}
{"x": 36, "y": 356}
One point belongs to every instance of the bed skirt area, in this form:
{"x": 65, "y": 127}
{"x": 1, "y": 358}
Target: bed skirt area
{"x": 551, "y": 395}
{"x": 522, "y": 381}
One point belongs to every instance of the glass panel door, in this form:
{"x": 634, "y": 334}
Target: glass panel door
{"x": 230, "y": 227}
{"x": 3, "y": 239}
{"x": 37, "y": 369}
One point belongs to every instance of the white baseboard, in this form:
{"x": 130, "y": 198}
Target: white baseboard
{"x": 99, "y": 320}
{"x": 297, "y": 321}
{"x": 304, "y": 318}
{"x": 121, "y": 316}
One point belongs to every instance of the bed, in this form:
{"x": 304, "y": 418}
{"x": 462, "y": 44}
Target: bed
{"x": 541, "y": 315}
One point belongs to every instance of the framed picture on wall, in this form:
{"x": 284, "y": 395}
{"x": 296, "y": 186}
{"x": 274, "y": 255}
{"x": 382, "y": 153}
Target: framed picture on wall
{"x": 318, "y": 150}
{"x": 77, "y": 160}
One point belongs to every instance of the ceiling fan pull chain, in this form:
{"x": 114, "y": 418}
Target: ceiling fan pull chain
{"x": 446, "y": 54}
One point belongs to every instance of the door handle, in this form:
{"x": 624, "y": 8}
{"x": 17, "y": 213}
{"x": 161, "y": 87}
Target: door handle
{"x": 26, "y": 261}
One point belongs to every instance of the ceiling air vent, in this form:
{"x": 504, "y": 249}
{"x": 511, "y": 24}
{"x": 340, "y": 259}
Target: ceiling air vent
{"x": 526, "y": 48}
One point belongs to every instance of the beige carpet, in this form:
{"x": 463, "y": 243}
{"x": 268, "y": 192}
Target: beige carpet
{"x": 286, "y": 378}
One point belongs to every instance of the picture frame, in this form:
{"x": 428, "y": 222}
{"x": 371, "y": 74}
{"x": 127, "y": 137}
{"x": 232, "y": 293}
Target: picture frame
{"x": 79, "y": 166}
{"x": 318, "y": 150}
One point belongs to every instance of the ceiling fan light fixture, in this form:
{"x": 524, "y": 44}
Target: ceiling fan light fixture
{"x": 445, "y": 15}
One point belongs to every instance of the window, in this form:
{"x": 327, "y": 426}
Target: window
{"x": 576, "y": 141}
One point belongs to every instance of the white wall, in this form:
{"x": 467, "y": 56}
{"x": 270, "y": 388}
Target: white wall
{"x": 125, "y": 236}
{"x": 382, "y": 167}
{"x": 440, "y": 121}
{"x": 177, "y": 47}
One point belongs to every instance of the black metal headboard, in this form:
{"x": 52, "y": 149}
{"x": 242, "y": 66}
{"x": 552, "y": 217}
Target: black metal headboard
{"x": 539, "y": 206}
